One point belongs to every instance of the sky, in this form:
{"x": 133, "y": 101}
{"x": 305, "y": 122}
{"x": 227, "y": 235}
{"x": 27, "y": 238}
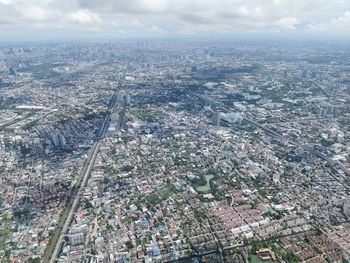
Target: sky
{"x": 119, "y": 19}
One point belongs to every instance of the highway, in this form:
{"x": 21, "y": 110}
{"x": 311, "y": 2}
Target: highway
{"x": 67, "y": 218}
{"x": 335, "y": 165}
{"x": 85, "y": 176}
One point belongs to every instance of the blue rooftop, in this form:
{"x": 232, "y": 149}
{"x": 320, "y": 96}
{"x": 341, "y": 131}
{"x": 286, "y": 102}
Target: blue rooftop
{"x": 160, "y": 227}
{"x": 155, "y": 251}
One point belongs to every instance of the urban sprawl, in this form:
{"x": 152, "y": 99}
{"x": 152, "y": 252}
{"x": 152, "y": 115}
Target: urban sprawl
{"x": 174, "y": 151}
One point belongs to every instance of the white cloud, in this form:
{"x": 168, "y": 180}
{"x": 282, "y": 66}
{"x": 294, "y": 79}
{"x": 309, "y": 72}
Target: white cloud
{"x": 155, "y": 30}
{"x": 83, "y": 16}
{"x": 288, "y": 22}
{"x": 36, "y": 14}
{"x": 340, "y": 23}
{"x": 178, "y": 16}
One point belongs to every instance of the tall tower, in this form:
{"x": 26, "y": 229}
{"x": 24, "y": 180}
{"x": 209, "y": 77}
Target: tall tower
{"x": 216, "y": 119}
{"x": 346, "y": 208}
{"x": 126, "y": 100}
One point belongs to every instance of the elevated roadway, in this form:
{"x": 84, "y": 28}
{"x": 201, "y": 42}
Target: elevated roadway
{"x": 67, "y": 217}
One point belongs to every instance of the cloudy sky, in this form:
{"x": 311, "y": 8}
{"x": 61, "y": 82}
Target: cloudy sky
{"x": 113, "y": 19}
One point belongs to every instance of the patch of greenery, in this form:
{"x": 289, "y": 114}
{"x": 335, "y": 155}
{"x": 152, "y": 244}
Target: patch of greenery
{"x": 142, "y": 114}
{"x": 160, "y": 195}
{"x": 204, "y": 183}
{"x": 34, "y": 260}
{"x": 41, "y": 71}
{"x": 326, "y": 143}
{"x": 290, "y": 257}
{"x": 4, "y": 234}
{"x": 6, "y": 257}
{"x": 199, "y": 181}
{"x": 255, "y": 259}
{"x": 127, "y": 168}
{"x": 109, "y": 171}
{"x": 30, "y": 125}
{"x": 62, "y": 118}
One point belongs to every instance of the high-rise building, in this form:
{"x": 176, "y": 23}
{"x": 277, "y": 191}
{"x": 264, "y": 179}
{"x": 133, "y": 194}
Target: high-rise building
{"x": 216, "y": 119}
{"x": 12, "y": 71}
{"x": 328, "y": 111}
{"x": 55, "y": 140}
{"x": 126, "y": 100}
{"x": 76, "y": 239}
{"x": 62, "y": 140}
{"x": 346, "y": 208}
{"x": 305, "y": 73}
